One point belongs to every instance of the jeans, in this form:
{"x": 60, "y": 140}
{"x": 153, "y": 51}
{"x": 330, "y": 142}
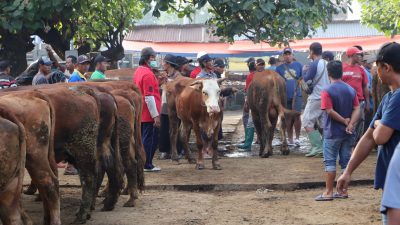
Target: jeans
{"x": 150, "y": 142}
{"x": 164, "y": 141}
{"x": 332, "y": 148}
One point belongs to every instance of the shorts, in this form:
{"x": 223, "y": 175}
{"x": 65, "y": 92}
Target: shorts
{"x": 313, "y": 113}
{"x": 332, "y": 148}
{"x": 298, "y": 104}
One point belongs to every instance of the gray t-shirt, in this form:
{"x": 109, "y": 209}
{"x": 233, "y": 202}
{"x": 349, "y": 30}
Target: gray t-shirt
{"x": 39, "y": 78}
{"x": 391, "y": 192}
{"x": 204, "y": 74}
{"x": 315, "y": 71}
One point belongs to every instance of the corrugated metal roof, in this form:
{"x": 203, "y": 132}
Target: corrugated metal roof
{"x": 172, "y": 33}
{"x": 340, "y": 29}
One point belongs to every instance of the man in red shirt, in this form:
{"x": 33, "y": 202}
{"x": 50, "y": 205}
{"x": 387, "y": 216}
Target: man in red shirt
{"x": 355, "y": 76}
{"x": 247, "y": 121}
{"x": 147, "y": 82}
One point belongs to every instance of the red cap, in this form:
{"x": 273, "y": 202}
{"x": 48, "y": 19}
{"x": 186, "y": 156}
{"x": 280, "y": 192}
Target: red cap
{"x": 352, "y": 51}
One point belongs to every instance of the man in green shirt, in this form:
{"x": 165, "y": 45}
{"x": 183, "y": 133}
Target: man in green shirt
{"x": 101, "y": 63}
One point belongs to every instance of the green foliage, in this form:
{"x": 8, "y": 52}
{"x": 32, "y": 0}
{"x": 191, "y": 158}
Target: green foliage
{"x": 273, "y": 21}
{"x": 382, "y": 15}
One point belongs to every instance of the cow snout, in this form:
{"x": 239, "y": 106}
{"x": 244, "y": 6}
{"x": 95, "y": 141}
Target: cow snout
{"x": 213, "y": 109}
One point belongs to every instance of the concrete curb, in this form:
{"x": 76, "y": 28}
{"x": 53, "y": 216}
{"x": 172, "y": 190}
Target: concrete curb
{"x": 238, "y": 187}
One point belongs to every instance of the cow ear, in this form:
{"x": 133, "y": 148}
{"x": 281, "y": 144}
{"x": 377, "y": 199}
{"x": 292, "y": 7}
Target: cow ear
{"x": 220, "y": 80}
{"x": 197, "y": 85}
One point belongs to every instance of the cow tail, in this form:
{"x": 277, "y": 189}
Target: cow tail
{"x": 6, "y": 114}
{"x": 140, "y": 154}
{"x": 51, "y": 153}
{"x": 116, "y": 152}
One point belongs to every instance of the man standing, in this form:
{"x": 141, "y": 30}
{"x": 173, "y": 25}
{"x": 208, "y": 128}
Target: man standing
{"x": 316, "y": 74}
{"x": 101, "y": 63}
{"x": 291, "y": 71}
{"x": 44, "y": 71}
{"x": 355, "y": 76}
{"x": 6, "y": 81}
{"x": 206, "y": 64}
{"x": 219, "y": 67}
{"x": 81, "y": 68}
{"x": 272, "y": 62}
{"x": 148, "y": 84}
{"x": 384, "y": 129}
{"x": 185, "y": 68}
{"x": 70, "y": 63}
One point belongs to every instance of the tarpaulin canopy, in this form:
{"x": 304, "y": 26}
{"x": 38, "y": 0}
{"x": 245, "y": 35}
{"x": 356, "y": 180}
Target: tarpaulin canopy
{"x": 247, "y": 48}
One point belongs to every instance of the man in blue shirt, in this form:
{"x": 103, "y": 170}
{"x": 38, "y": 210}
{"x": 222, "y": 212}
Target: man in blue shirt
{"x": 206, "y": 64}
{"x": 81, "y": 68}
{"x": 384, "y": 129}
{"x": 291, "y": 71}
{"x": 272, "y": 62}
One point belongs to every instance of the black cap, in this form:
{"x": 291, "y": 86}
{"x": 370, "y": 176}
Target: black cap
{"x": 205, "y": 58}
{"x": 287, "y": 50}
{"x": 389, "y": 53}
{"x": 182, "y": 60}
{"x": 171, "y": 59}
{"x": 328, "y": 55}
{"x": 4, "y": 64}
{"x": 82, "y": 59}
{"x": 249, "y": 60}
{"x": 100, "y": 58}
{"x": 219, "y": 63}
{"x": 260, "y": 62}
{"x": 44, "y": 60}
{"x": 148, "y": 52}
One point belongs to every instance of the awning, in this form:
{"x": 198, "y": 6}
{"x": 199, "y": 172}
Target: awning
{"x": 247, "y": 48}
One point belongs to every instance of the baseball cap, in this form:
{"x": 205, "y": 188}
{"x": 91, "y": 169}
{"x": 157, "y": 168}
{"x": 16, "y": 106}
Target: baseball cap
{"x": 171, "y": 59}
{"x": 328, "y": 55}
{"x": 389, "y": 53}
{"x": 205, "y": 58}
{"x": 260, "y": 62}
{"x": 287, "y": 49}
{"x": 44, "y": 60}
{"x": 219, "y": 63}
{"x": 182, "y": 60}
{"x": 200, "y": 54}
{"x": 148, "y": 51}
{"x": 83, "y": 59}
{"x": 4, "y": 64}
{"x": 100, "y": 58}
{"x": 249, "y": 60}
{"x": 352, "y": 51}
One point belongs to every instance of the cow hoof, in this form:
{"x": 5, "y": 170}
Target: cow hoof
{"x": 285, "y": 152}
{"x": 217, "y": 167}
{"x": 265, "y": 155}
{"x": 107, "y": 208}
{"x": 192, "y": 161}
{"x": 199, "y": 166}
{"x": 129, "y": 203}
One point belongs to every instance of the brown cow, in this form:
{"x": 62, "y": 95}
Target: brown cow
{"x": 266, "y": 98}
{"x": 198, "y": 107}
{"x": 12, "y": 167}
{"x": 379, "y": 89}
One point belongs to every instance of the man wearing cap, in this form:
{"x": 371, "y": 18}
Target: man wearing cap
{"x": 170, "y": 66}
{"x": 44, "y": 71}
{"x": 185, "y": 68}
{"x": 148, "y": 84}
{"x": 219, "y": 67}
{"x": 328, "y": 56}
{"x": 206, "y": 64}
{"x": 197, "y": 70}
{"x": 291, "y": 71}
{"x": 260, "y": 65}
{"x": 317, "y": 74}
{"x": 355, "y": 76}
{"x": 101, "y": 64}
{"x": 6, "y": 81}
{"x": 383, "y": 131}
{"x": 81, "y": 68}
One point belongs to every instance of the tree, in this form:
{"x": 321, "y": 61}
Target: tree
{"x": 383, "y": 16}
{"x": 272, "y": 21}
{"x": 105, "y": 23}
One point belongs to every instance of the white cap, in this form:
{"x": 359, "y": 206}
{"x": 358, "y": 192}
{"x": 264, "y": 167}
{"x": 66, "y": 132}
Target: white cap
{"x": 200, "y": 54}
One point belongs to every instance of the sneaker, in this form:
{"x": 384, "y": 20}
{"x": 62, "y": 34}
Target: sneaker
{"x": 154, "y": 169}
{"x": 164, "y": 156}
{"x": 297, "y": 142}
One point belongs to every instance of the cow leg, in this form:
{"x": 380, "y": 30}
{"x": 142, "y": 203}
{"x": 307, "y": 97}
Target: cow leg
{"x": 215, "y": 161}
{"x": 47, "y": 183}
{"x": 184, "y": 134}
{"x": 199, "y": 142}
{"x": 132, "y": 177}
{"x": 258, "y": 126}
{"x": 284, "y": 145}
{"x": 173, "y": 133}
{"x": 264, "y": 147}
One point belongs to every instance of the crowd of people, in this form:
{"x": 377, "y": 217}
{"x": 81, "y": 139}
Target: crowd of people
{"x": 338, "y": 106}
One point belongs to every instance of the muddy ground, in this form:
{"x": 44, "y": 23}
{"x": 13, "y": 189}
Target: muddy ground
{"x": 256, "y": 207}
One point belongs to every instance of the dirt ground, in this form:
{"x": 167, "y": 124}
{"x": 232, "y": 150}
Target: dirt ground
{"x": 256, "y": 207}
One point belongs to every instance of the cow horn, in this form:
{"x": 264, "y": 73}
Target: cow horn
{"x": 220, "y": 80}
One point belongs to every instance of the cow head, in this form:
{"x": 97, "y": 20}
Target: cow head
{"x": 210, "y": 93}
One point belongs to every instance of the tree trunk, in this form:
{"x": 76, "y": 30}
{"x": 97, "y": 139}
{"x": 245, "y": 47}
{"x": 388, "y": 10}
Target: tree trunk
{"x": 14, "y": 48}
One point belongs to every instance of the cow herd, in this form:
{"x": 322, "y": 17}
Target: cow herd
{"x": 96, "y": 126}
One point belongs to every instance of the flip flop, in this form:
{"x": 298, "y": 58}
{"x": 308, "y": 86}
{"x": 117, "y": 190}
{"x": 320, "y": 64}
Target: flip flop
{"x": 339, "y": 196}
{"x": 321, "y": 198}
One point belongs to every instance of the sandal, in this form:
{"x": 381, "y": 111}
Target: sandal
{"x": 321, "y": 198}
{"x": 339, "y": 196}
